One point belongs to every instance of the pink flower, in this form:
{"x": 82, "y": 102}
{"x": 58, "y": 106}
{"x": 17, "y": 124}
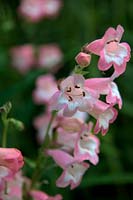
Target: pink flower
{"x": 14, "y": 188}
{"x": 67, "y": 132}
{"x": 45, "y": 87}
{"x": 51, "y": 8}
{"x": 73, "y": 96}
{"x": 50, "y": 57}
{"x": 83, "y": 59}
{"x": 38, "y": 195}
{"x": 105, "y": 115}
{"x": 23, "y": 58}
{"x": 73, "y": 169}
{"x": 111, "y": 51}
{"x": 70, "y": 124}
{"x": 32, "y": 10}
{"x": 76, "y": 94}
{"x": 87, "y": 145}
{"x": 114, "y": 96}
{"x": 105, "y": 86}
{"x": 11, "y": 158}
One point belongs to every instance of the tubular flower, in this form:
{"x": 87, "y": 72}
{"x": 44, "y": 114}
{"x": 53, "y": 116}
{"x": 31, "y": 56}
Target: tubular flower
{"x": 105, "y": 86}
{"x": 87, "y": 145}
{"x": 73, "y": 96}
{"x": 105, "y": 115}
{"x": 111, "y": 51}
{"x": 73, "y": 169}
{"x": 11, "y": 158}
{"x": 67, "y": 132}
{"x": 14, "y": 188}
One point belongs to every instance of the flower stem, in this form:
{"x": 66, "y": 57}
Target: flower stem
{"x": 4, "y": 135}
{"x": 41, "y": 160}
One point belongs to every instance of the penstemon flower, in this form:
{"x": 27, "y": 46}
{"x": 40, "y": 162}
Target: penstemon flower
{"x": 11, "y": 158}
{"x": 73, "y": 96}
{"x": 73, "y": 169}
{"x": 105, "y": 86}
{"x": 111, "y": 51}
{"x": 105, "y": 115}
{"x": 14, "y": 188}
{"x": 67, "y": 135}
{"x": 87, "y": 145}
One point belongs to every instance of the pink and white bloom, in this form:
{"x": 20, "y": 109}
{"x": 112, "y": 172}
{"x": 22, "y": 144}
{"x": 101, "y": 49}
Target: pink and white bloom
{"x": 46, "y": 86}
{"x": 73, "y": 169}
{"x": 23, "y": 58}
{"x": 83, "y": 59}
{"x": 114, "y": 96}
{"x": 67, "y": 132}
{"x": 111, "y": 51}
{"x": 14, "y": 188}
{"x": 50, "y": 57}
{"x": 73, "y": 96}
{"x": 87, "y": 145}
{"x": 51, "y": 8}
{"x": 105, "y": 86}
{"x": 105, "y": 115}
{"x": 11, "y": 158}
{"x": 32, "y": 10}
{"x": 39, "y": 195}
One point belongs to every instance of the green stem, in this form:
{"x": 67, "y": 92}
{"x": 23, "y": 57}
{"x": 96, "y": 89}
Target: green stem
{"x": 4, "y": 135}
{"x": 41, "y": 160}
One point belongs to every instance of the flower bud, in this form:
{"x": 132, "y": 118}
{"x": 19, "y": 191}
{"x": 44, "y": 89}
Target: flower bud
{"x": 18, "y": 124}
{"x": 83, "y": 59}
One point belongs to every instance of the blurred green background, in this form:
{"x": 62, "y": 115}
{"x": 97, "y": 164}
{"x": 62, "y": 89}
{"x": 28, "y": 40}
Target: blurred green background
{"x": 79, "y": 22}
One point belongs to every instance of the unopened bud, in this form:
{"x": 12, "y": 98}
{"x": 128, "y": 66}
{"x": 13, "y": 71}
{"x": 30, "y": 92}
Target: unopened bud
{"x": 6, "y": 108}
{"x": 83, "y": 59}
{"x": 18, "y": 124}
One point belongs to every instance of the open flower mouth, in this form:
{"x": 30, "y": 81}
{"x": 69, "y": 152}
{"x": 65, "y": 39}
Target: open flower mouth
{"x": 112, "y": 47}
{"x": 115, "y": 40}
{"x": 73, "y": 96}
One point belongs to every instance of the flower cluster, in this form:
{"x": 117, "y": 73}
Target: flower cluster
{"x": 65, "y": 131}
{"x": 75, "y": 146}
